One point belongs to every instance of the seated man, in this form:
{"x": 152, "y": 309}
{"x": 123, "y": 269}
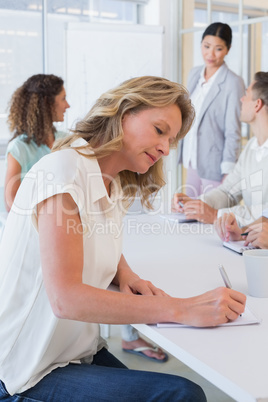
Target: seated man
{"x": 246, "y": 181}
{"x": 255, "y": 234}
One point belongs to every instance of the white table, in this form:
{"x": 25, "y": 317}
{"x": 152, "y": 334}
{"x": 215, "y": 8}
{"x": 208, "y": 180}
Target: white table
{"x": 183, "y": 259}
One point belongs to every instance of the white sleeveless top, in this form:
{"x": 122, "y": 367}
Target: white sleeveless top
{"x": 33, "y": 342}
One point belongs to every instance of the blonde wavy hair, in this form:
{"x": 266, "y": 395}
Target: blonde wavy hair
{"x": 102, "y": 127}
{"x": 31, "y": 108}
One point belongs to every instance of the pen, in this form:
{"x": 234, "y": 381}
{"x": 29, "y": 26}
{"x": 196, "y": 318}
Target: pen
{"x": 244, "y": 234}
{"x": 225, "y": 278}
{"x": 180, "y": 204}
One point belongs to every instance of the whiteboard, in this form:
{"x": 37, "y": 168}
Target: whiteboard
{"x": 101, "y": 56}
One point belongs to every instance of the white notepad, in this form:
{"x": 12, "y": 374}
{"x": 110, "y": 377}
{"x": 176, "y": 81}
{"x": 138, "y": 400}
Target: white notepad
{"x": 237, "y": 246}
{"x": 247, "y": 318}
{"x": 177, "y": 217}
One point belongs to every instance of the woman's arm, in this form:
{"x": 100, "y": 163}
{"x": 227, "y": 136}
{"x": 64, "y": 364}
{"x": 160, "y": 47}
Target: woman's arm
{"x": 227, "y": 228}
{"x": 12, "y": 180}
{"x": 62, "y": 264}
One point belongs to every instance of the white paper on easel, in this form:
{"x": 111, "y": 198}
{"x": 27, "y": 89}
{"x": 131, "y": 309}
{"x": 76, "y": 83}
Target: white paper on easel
{"x": 247, "y": 318}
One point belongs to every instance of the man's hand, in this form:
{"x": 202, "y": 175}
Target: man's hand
{"x": 199, "y": 210}
{"x": 258, "y": 235}
{"x": 227, "y": 228}
{"x": 178, "y": 202}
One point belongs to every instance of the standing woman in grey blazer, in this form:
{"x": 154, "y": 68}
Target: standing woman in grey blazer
{"x": 212, "y": 146}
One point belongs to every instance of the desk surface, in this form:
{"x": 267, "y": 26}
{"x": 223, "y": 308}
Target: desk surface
{"x": 183, "y": 259}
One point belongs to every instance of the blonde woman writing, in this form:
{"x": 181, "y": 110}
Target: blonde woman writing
{"x": 55, "y": 271}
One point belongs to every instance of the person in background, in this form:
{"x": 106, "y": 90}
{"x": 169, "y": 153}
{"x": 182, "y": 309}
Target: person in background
{"x": 211, "y": 149}
{"x": 255, "y": 234}
{"x": 34, "y": 106}
{"x": 55, "y": 268}
{"x": 133, "y": 343}
{"x": 247, "y": 181}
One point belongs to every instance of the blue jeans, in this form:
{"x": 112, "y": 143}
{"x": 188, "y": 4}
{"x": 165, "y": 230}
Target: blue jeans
{"x": 107, "y": 379}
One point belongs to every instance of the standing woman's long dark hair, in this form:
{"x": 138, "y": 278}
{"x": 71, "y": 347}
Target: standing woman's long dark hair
{"x": 31, "y": 107}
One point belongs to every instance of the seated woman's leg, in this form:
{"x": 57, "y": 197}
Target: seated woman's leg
{"x": 92, "y": 382}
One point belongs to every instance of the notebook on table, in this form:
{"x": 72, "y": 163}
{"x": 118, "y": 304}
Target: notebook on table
{"x": 247, "y": 318}
{"x": 237, "y": 246}
{"x": 178, "y": 217}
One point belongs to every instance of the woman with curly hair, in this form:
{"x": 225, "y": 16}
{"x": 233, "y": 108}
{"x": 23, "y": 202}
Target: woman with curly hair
{"x": 34, "y": 106}
{"x": 60, "y": 252}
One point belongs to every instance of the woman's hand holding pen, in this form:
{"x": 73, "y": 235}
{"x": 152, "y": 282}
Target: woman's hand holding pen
{"x": 209, "y": 309}
{"x": 212, "y": 308}
{"x": 227, "y": 228}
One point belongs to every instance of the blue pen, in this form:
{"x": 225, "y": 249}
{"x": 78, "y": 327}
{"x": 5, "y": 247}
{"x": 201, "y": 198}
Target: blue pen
{"x": 181, "y": 204}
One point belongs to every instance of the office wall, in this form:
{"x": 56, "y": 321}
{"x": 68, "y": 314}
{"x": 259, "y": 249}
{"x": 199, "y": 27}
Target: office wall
{"x": 99, "y": 57}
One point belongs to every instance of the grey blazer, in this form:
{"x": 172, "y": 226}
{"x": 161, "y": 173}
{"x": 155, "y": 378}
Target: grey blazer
{"x": 219, "y": 127}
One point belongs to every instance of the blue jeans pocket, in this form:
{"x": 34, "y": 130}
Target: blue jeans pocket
{"x": 3, "y": 392}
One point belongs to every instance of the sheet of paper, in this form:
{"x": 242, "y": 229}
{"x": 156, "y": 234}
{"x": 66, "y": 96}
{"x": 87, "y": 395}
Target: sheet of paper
{"x": 247, "y": 318}
{"x": 237, "y": 246}
{"x": 177, "y": 217}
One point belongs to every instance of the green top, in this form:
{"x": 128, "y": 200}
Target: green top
{"x": 27, "y": 154}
